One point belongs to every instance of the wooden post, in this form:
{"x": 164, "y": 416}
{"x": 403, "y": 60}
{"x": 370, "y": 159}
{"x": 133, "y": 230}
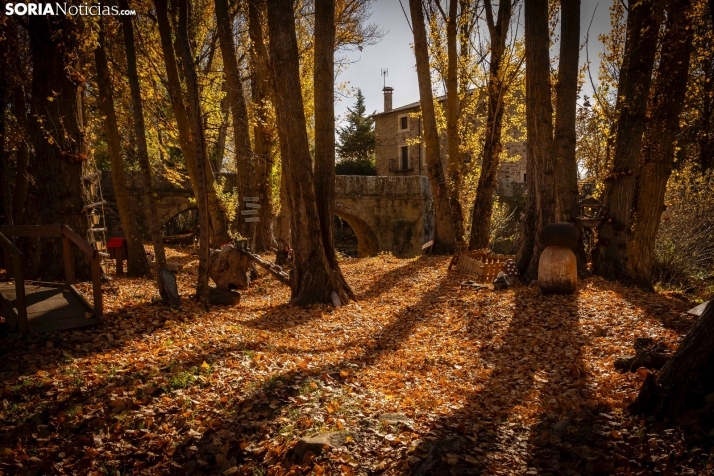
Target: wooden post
{"x": 68, "y": 263}
{"x": 120, "y": 260}
{"x": 97, "y": 285}
{"x": 20, "y": 301}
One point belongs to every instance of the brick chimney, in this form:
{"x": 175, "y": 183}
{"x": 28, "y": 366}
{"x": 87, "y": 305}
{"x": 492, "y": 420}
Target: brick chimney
{"x": 387, "y": 98}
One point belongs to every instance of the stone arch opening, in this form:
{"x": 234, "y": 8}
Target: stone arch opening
{"x": 367, "y": 243}
{"x": 181, "y": 221}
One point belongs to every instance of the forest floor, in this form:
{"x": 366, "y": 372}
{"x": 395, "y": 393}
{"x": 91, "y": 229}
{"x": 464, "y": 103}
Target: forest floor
{"x": 424, "y": 378}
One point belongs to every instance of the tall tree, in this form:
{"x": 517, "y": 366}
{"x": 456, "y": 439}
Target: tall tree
{"x": 137, "y": 263}
{"x": 356, "y": 139}
{"x": 218, "y": 221}
{"x": 22, "y": 157}
{"x": 199, "y": 144}
{"x": 239, "y": 110}
{"x": 56, "y": 133}
{"x": 448, "y": 236}
{"x": 263, "y": 130}
{"x": 5, "y": 200}
{"x": 324, "y": 78}
{"x": 643, "y": 20}
{"x": 539, "y": 125}
{"x": 497, "y": 88}
{"x": 657, "y": 157}
{"x": 313, "y": 279}
{"x": 142, "y": 151}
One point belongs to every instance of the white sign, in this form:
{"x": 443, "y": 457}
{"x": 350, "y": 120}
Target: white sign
{"x": 250, "y": 199}
{"x": 251, "y": 219}
{"x": 427, "y": 244}
{"x": 249, "y": 212}
{"x": 252, "y": 205}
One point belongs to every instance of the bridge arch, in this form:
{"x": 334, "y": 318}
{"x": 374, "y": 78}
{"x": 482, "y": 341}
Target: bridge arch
{"x": 367, "y": 242}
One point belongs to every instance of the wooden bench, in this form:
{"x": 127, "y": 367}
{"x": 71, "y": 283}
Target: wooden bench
{"x": 481, "y": 264}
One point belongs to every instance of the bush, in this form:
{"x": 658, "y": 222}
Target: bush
{"x": 684, "y": 249}
{"x": 364, "y": 166}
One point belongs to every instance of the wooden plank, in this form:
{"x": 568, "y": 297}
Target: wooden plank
{"x": 81, "y": 298}
{"x": 32, "y": 230}
{"x": 252, "y": 205}
{"x": 20, "y": 294}
{"x": 97, "y": 286}
{"x": 8, "y": 311}
{"x": 251, "y": 199}
{"x": 9, "y": 247}
{"x": 252, "y": 219}
{"x": 78, "y": 241}
{"x": 68, "y": 262}
{"x": 249, "y": 212}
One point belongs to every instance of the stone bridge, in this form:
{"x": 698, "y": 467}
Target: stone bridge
{"x": 386, "y": 213}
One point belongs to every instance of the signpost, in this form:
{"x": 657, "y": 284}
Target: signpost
{"x": 252, "y": 209}
{"x": 250, "y": 199}
{"x": 252, "y": 219}
{"x": 249, "y": 212}
{"x": 252, "y": 205}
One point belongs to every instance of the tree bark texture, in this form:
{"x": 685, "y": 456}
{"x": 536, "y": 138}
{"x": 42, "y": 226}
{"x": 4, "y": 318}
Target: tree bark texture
{"x": 539, "y": 121}
{"x": 5, "y": 199}
{"x": 263, "y": 132}
{"x": 56, "y": 132}
{"x": 497, "y": 88}
{"x": 239, "y": 112}
{"x": 219, "y": 148}
{"x": 22, "y": 158}
{"x": 453, "y": 107}
{"x": 283, "y": 231}
{"x": 137, "y": 263}
{"x": 687, "y": 378}
{"x": 566, "y": 95}
{"x": 149, "y": 197}
{"x": 313, "y": 281}
{"x": 447, "y": 238}
{"x": 325, "y": 130}
{"x": 657, "y": 158}
{"x": 199, "y": 144}
{"x": 643, "y": 20}
{"x": 219, "y": 222}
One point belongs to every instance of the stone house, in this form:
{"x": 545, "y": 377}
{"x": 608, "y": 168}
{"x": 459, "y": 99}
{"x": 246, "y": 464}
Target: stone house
{"x": 394, "y": 127}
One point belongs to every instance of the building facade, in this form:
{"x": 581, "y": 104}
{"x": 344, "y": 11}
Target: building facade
{"x": 397, "y": 152}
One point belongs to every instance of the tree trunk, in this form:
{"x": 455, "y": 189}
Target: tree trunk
{"x": 687, "y": 378}
{"x": 539, "y": 121}
{"x": 5, "y": 199}
{"x": 325, "y": 131}
{"x": 566, "y": 95}
{"x": 529, "y": 217}
{"x": 488, "y": 179}
{"x": 199, "y": 144}
{"x": 137, "y": 263}
{"x": 263, "y": 133}
{"x": 149, "y": 197}
{"x": 219, "y": 148}
{"x": 313, "y": 281}
{"x": 283, "y": 235}
{"x": 657, "y": 158}
{"x": 239, "y": 113}
{"x": 22, "y": 158}
{"x": 452, "y": 119}
{"x": 219, "y": 222}
{"x": 643, "y": 20}
{"x": 55, "y": 194}
{"x": 448, "y": 236}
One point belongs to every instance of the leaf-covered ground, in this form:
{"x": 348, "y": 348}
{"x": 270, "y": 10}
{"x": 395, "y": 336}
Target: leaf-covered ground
{"x": 494, "y": 382}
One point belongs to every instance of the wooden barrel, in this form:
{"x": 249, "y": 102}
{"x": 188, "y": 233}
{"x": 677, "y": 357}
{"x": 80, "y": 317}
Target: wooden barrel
{"x": 558, "y": 271}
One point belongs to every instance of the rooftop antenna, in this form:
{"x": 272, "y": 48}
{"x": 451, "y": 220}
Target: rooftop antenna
{"x": 385, "y": 73}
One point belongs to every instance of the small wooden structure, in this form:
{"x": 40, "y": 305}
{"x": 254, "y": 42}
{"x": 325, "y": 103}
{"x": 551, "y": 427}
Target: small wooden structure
{"x": 481, "y": 264}
{"x": 36, "y": 306}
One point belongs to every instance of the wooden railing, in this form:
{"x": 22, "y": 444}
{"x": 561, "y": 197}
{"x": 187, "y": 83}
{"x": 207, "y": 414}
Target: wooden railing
{"x": 14, "y": 264}
{"x": 69, "y": 237}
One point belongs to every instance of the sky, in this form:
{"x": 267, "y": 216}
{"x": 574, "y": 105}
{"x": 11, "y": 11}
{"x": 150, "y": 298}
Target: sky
{"x": 394, "y": 53}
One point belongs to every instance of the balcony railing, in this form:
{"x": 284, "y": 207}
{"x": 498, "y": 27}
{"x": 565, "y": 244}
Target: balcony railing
{"x": 395, "y": 165}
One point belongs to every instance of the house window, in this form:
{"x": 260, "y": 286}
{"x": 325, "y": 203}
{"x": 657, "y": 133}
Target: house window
{"x": 404, "y": 122}
{"x": 404, "y": 157}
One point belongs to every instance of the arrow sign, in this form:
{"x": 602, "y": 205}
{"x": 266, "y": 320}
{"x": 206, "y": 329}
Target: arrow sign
{"x": 250, "y": 199}
{"x": 249, "y": 212}
{"x": 252, "y": 205}
{"x": 251, "y": 219}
